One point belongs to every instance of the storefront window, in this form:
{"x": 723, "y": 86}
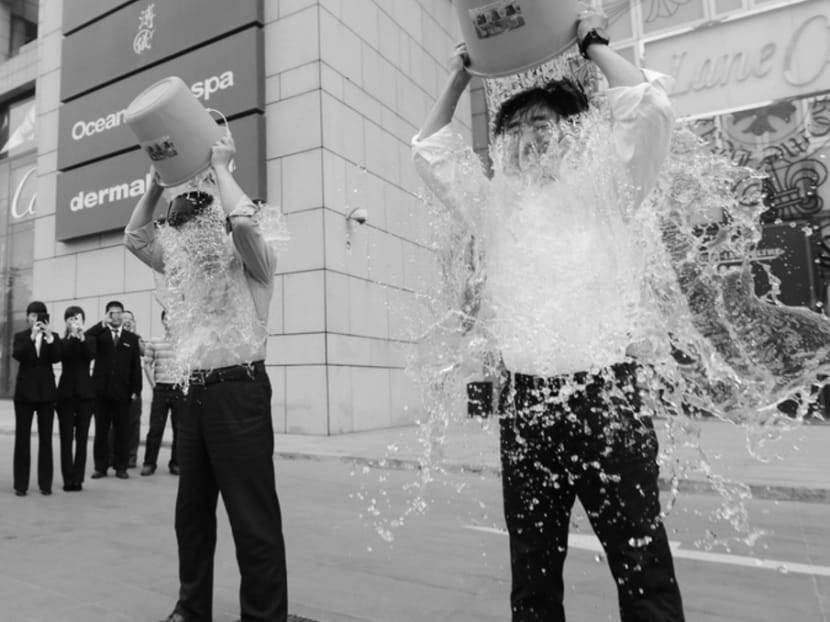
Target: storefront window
{"x": 18, "y": 185}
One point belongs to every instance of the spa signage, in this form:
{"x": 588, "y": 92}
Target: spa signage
{"x": 144, "y": 33}
{"x": 771, "y": 55}
{"x": 224, "y": 75}
{"x": 99, "y": 198}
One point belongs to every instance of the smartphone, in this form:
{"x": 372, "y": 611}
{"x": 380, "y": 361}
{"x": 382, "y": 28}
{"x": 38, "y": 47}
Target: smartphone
{"x": 43, "y": 318}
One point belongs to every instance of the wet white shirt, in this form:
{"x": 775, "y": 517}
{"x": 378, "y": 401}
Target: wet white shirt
{"x": 565, "y": 258}
{"x": 215, "y": 342}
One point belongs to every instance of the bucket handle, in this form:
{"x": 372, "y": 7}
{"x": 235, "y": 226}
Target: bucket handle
{"x": 227, "y": 131}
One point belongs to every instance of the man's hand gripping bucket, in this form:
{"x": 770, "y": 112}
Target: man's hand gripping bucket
{"x": 174, "y": 129}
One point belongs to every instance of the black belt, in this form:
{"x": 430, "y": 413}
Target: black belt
{"x": 167, "y": 386}
{"x": 231, "y": 373}
{"x": 619, "y": 371}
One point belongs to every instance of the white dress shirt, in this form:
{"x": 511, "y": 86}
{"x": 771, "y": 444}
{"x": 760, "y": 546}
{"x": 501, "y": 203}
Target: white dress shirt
{"x": 565, "y": 257}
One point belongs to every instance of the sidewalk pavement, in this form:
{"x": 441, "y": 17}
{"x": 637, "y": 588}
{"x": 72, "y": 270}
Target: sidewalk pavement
{"x": 790, "y": 465}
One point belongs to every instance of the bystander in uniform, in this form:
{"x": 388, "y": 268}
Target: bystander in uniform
{"x": 36, "y": 349}
{"x": 75, "y": 398}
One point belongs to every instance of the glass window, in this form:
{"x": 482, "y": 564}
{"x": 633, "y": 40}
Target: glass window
{"x": 22, "y": 23}
{"x": 670, "y": 14}
{"x": 20, "y": 133}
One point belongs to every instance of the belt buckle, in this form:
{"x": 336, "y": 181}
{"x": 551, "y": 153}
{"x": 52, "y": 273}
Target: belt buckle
{"x": 198, "y": 378}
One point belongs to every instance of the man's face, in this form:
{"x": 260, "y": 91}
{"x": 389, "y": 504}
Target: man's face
{"x": 128, "y": 320}
{"x": 115, "y": 316}
{"x": 31, "y": 318}
{"x": 527, "y": 137}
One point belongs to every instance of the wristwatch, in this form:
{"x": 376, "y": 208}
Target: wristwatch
{"x": 595, "y": 35}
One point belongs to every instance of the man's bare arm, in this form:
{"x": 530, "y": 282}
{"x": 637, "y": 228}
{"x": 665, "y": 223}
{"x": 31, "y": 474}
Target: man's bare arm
{"x": 616, "y": 69}
{"x": 146, "y": 206}
{"x": 444, "y": 107}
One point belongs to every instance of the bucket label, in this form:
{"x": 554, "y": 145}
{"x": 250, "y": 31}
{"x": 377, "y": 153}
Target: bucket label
{"x": 160, "y": 149}
{"x": 497, "y": 17}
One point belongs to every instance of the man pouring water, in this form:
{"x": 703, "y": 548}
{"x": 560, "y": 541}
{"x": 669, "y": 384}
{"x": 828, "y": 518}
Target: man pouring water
{"x": 563, "y": 243}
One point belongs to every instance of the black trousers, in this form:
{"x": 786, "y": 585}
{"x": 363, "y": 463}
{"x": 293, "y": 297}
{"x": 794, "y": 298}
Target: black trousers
{"x": 133, "y": 434}
{"x": 166, "y": 398}
{"x": 115, "y": 414}
{"x": 74, "y": 416}
{"x": 226, "y": 444}
{"x": 24, "y": 413}
{"x": 591, "y": 444}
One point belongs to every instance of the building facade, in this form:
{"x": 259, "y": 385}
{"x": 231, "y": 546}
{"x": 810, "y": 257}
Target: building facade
{"x": 322, "y": 97}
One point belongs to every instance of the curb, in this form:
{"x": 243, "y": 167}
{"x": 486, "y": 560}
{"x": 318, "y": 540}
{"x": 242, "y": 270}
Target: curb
{"x": 766, "y": 492}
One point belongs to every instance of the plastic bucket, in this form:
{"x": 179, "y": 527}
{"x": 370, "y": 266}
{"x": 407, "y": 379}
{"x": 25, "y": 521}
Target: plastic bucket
{"x": 509, "y": 36}
{"x": 175, "y": 130}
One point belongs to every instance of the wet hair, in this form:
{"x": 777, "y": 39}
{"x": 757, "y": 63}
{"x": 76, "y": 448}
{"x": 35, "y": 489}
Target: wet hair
{"x": 113, "y": 303}
{"x": 565, "y": 97}
{"x": 73, "y": 311}
{"x": 186, "y": 206}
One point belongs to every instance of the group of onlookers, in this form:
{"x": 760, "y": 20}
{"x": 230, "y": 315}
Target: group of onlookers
{"x": 100, "y": 376}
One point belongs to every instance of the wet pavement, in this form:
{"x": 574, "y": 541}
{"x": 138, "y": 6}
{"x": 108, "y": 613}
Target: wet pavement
{"x": 108, "y": 553}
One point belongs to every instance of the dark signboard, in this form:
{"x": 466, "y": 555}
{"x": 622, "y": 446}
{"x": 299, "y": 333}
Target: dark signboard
{"x": 224, "y": 75}
{"x": 144, "y": 33}
{"x": 77, "y": 13}
{"x": 101, "y": 196}
{"x": 786, "y": 251}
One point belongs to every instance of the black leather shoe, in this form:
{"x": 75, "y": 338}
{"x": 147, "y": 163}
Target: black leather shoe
{"x": 133, "y": 463}
{"x": 72, "y": 487}
{"x": 122, "y": 475}
{"x": 174, "y": 469}
{"x": 45, "y": 491}
{"x": 98, "y": 474}
{"x": 20, "y": 493}
{"x": 148, "y": 469}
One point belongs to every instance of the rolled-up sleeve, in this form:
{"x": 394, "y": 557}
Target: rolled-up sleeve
{"x": 451, "y": 170}
{"x": 257, "y": 256}
{"x": 643, "y": 121}
{"x": 142, "y": 243}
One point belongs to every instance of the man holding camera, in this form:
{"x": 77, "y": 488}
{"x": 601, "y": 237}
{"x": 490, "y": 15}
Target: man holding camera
{"x": 117, "y": 382}
{"x": 36, "y": 349}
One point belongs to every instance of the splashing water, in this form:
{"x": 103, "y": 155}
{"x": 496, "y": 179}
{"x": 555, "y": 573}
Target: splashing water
{"x": 203, "y": 288}
{"x": 712, "y": 347}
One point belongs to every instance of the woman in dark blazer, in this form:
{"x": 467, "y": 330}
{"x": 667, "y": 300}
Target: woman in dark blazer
{"x": 75, "y": 398}
{"x": 36, "y": 349}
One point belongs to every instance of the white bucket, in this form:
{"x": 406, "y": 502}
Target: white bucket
{"x": 508, "y": 36}
{"x": 175, "y": 130}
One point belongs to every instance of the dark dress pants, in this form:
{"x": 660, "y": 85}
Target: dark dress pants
{"x": 133, "y": 434}
{"x": 24, "y": 413}
{"x": 591, "y": 445}
{"x": 226, "y": 444}
{"x": 115, "y": 414}
{"x": 74, "y": 416}
{"x": 166, "y": 398}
